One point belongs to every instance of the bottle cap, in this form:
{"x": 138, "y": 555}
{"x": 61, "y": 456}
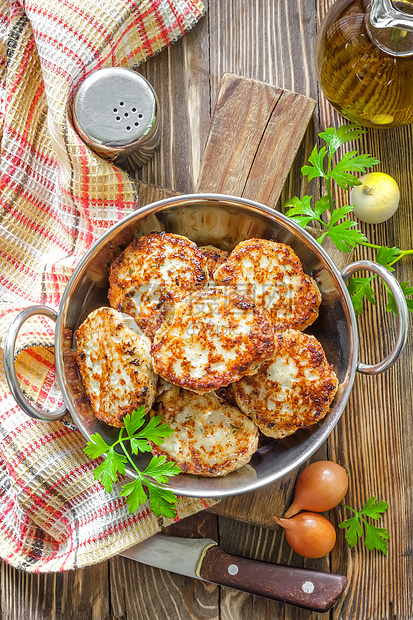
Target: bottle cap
{"x": 116, "y": 113}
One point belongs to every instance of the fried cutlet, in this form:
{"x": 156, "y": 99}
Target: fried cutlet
{"x": 292, "y": 390}
{"x": 210, "y": 438}
{"x": 152, "y": 274}
{"x": 114, "y": 361}
{"x": 213, "y": 337}
{"x": 214, "y": 257}
{"x": 272, "y": 275}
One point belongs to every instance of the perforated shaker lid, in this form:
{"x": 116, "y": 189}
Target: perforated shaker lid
{"x": 114, "y": 108}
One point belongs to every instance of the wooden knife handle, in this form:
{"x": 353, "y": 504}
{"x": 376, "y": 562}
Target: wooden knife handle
{"x": 310, "y": 589}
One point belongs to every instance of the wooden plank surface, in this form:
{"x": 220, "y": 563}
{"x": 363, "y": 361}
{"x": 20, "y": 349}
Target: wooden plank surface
{"x": 255, "y": 134}
{"x": 273, "y": 42}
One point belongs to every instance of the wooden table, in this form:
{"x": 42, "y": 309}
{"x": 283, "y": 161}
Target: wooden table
{"x": 270, "y": 41}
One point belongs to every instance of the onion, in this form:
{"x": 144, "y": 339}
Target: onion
{"x": 309, "y": 534}
{"x": 376, "y": 199}
{"x": 319, "y": 487}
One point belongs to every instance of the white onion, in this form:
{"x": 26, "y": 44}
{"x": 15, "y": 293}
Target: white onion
{"x": 376, "y": 199}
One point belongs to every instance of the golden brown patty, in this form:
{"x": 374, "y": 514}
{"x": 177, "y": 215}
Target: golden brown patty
{"x": 227, "y": 395}
{"x": 210, "y": 438}
{"x": 114, "y": 361}
{"x": 214, "y": 257}
{"x": 152, "y": 273}
{"x": 292, "y": 390}
{"x": 214, "y": 337}
{"x": 272, "y": 275}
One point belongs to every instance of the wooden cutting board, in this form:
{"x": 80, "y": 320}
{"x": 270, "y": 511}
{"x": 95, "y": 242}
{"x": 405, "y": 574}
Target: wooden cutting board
{"x": 255, "y": 133}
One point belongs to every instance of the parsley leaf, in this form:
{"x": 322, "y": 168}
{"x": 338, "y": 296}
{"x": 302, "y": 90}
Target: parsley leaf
{"x": 138, "y": 436}
{"x": 336, "y": 137}
{"x": 350, "y": 162}
{"x": 155, "y": 431}
{"x": 96, "y": 446}
{"x": 300, "y": 211}
{"x": 359, "y": 288}
{"x": 316, "y": 159}
{"x": 385, "y": 256}
{"x": 343, "y": 234}
{"x": 134, "y": 421}
{"x": 135, "y": 494}
{"x": 161, "y": 503}
{"x": 109, "y": 469}
{"x": 160, "y": 470}
{"x": 407, "y": 291}
{"x": 375, "y": 537}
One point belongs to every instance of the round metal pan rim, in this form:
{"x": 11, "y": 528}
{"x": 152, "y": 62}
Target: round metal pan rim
{"x": 243, "y": 481}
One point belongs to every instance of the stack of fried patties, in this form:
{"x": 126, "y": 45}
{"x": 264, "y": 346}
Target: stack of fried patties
{"x": 213, "y": 342}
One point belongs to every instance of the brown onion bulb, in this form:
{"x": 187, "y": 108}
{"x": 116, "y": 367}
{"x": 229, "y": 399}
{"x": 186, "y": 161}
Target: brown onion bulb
{"x": 309, "y": 534}
{"x": 319, "y": 487}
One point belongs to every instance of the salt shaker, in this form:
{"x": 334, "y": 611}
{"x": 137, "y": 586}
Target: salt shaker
{"x": 116, "y": 113}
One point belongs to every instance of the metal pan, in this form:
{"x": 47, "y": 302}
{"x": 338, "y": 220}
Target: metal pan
{"x": 222, "y": 221}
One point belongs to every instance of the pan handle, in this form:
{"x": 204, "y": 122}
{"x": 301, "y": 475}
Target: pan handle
{"x": 403, "y": 313}
{"x": 10, "y": 370}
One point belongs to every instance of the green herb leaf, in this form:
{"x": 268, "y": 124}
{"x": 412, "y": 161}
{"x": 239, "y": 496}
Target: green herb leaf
{"x": 138, "y": 437}
{"x": 337, "y": 137}
{"x": 134, "y": 421}
{"x": 321, "y": 206}
{"x": 316, "y": 160}
{"x": 375, "y": 537}
{"x": 354, "y": 531}
{"x": 109, "y": 469}
{"x": 351, "y": 162}
{"x": 300, "y": 210}
{"x": 345, "y": 236}
{"x": 407, "y": 291}
{"x": 303, "y": 213}
{"x": 373, "y": 508}
{"x": 139, "y": 445}
{"x": 155, "y": 431}
{"x": 96, "y": 446}
{"x": 135, "y": 494}
{"x": 162, "y": 502}
{"x": 386, "y": 255}
{"x": 360, "y": 288}
{"x": 160, "y": 470}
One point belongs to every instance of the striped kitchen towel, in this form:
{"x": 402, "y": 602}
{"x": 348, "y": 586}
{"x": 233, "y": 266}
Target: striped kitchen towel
{"x": 57, "y": 197}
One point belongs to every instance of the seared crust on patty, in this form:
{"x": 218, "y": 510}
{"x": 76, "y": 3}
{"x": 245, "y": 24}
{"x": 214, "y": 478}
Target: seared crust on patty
{"x": 114, "y": 361}
{"x": 272, "y": 275}
{"x": 214, "y": 257}
{"x": 210, "y": 438}
{"x": 292, "y": 390}
{"x": 213, "y": 338}
{"x": 152, "y": 274}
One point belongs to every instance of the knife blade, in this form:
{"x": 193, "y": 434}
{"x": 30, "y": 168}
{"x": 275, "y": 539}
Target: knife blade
{"x": 202, "y": 558}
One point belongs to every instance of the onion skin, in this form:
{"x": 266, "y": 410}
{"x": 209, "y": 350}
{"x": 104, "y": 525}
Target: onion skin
{"x": 376, "y": 199}
{"x": 319, "y": 487}
{"x": 309, "y": 534}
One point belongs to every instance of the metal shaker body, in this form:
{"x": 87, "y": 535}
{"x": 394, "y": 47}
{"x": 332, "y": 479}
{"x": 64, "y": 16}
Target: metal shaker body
{"x": 116, "y": 113}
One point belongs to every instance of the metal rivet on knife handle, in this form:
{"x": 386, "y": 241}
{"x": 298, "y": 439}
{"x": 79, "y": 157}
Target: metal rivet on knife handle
{"x": 204, "y": 559}
{"x": 309, "y": 589}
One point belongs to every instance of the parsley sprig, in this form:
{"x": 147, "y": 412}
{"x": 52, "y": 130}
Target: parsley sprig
{"x": 334, "y": 221}
{"x": 375, "y": 537}
{"x": 161, "y": 501}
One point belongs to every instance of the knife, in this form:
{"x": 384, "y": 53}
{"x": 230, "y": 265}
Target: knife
{"x": 202, "y": 558}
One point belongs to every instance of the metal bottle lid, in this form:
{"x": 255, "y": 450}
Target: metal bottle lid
{"x": 116, "y": 113}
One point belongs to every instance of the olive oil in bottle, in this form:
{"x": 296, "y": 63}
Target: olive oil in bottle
{"x": 365, "y": 68}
